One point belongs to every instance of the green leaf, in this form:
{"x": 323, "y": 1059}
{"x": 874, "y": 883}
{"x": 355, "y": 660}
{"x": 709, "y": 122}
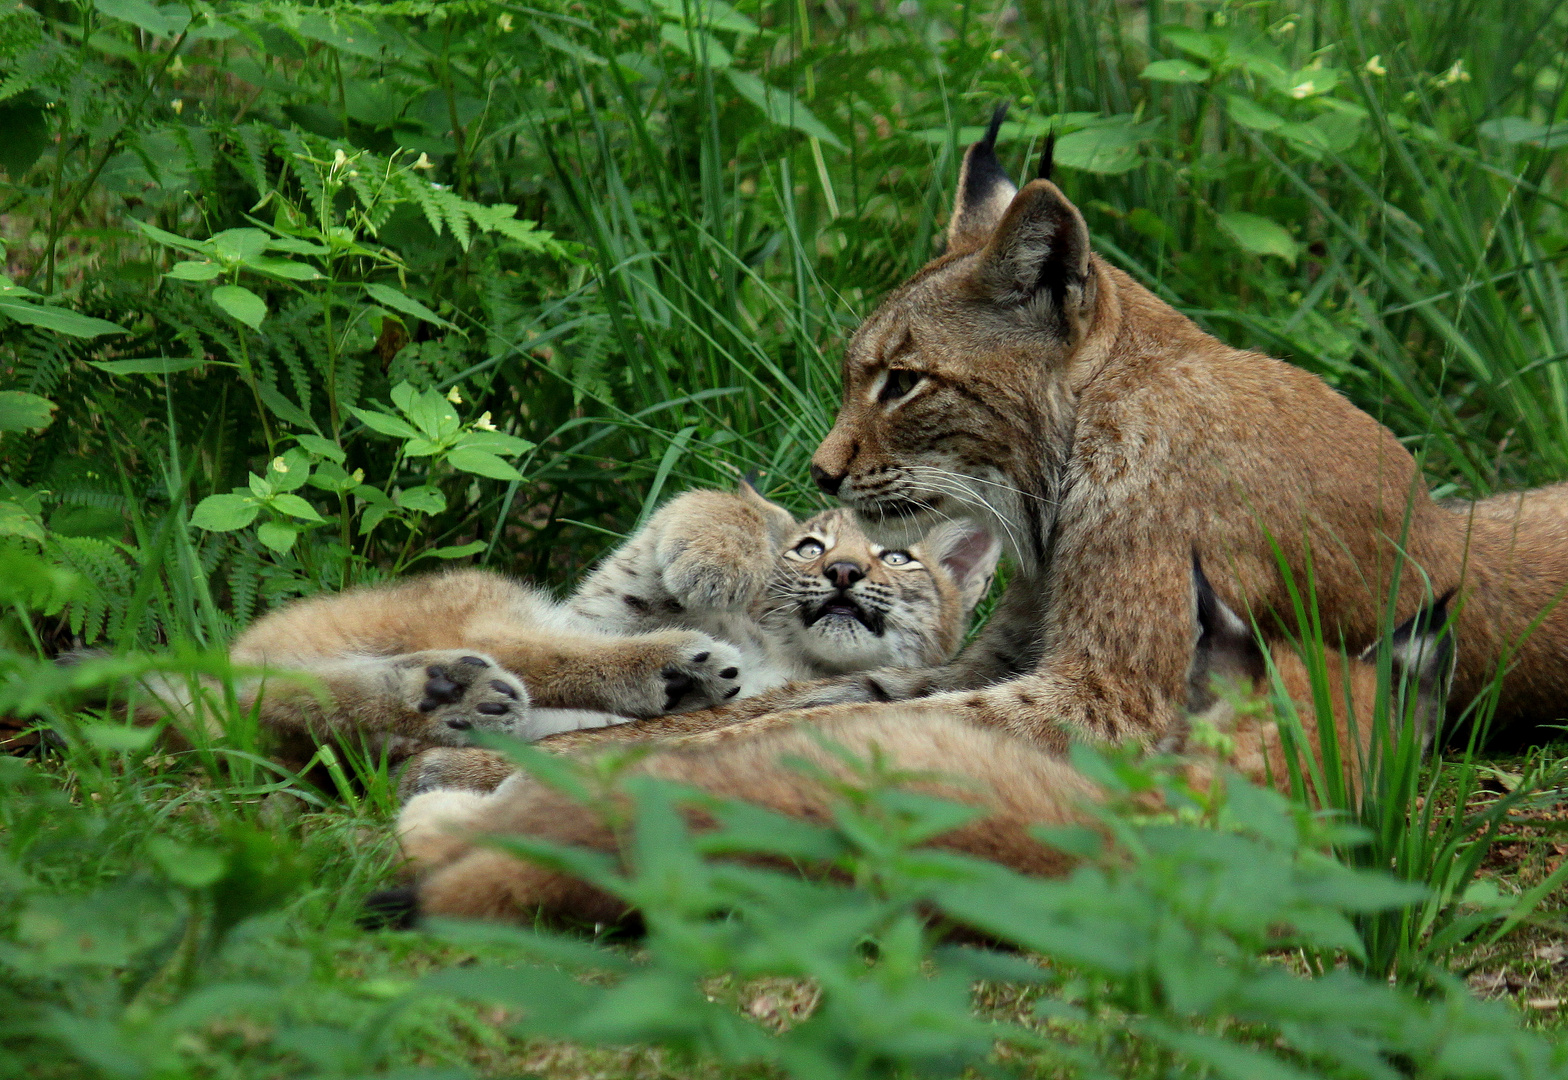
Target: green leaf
{"x": 124, "y": 738}
{"x": 1519, "y": 131}
{"x": 295, "y": 246}
{"x": 283, "y": 268}
{"x": 25, "y": 121}
{"x": 283, "y": 408}
{"x": 294, "y": 506}
{"x": 780, "y": 106}
{"x": 15, "y": 520}
{"x": 496, "y": 442}
{"x": 1108, "y": 147}
{"x": 1209, "y": 47}
{"x": 1176, "y": 71}
{"x": 153, "y": 365}
{"x": 1259, "y": 235}
{"x": 702, "y": 48}
{"x": 322, "y": 447}
{"x": 21, "y": 411}
{"x": 277, "y": 536}
{"x": 482, "y": 463}
{"x": 61, "y": 320}
{"x": 425, "y": 499}
{"x": 239, "y": 245}
{"x": 168, "y": 239}
{"x": 294, "y": 472}
{"x": 1249, "y": 114}
{"x": 330, "y": 476}
{"x": 385, "y": 424}
{"x": 460, "y": 551}
{"x": 431, "y": 412}
{"x": 386, "y": 294}
{"x": 165, "y": 21}
{"x": 186, "y": 864}
{"x": 240, "y": 303}
{"x": 225, "y": 513}
{"x": 193, "y": 270}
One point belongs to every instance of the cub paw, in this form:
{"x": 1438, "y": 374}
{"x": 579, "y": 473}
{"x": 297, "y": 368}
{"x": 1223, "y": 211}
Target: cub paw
{"x": 460, "y": 692}
{"x": 693, "y": 671}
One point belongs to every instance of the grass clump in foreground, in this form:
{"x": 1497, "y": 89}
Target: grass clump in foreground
{"x": 275, "y": 273}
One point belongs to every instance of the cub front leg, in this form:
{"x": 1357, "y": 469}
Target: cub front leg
{"x": 635, "y": 676}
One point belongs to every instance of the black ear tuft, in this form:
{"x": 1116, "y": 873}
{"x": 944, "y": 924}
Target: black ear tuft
{"x": 984, "y": 190}
{"x": 1047, "y": 156}
{"x": 997, "y": 116}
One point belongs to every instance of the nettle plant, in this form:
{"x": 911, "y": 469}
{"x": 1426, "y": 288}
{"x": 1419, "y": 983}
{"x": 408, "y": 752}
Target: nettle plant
{"x": 428, "y": 427}
{"x": 321, "y": 244}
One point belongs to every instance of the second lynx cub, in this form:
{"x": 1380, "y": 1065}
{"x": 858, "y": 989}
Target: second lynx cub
{"x": 720, "y": 595}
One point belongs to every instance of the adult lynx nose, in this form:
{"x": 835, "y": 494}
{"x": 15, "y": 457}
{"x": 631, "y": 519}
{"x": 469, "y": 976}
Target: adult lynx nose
{"x": 825, "y": 480}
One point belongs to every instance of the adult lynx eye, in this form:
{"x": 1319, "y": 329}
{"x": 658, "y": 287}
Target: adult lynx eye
{"x": 809, "y": 548}
{"x": 897, "y": 558}
{"x": 900, "y": 381}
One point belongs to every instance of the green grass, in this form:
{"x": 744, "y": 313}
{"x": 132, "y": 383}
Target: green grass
{"x": 1397, "y": 227}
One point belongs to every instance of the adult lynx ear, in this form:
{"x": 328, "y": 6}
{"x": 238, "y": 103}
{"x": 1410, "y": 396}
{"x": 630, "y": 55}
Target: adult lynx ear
{"x": 984, "y": 191}
{"x": 781, "y": 523}
{"x": 969, "y": 553}
{"x": 1038, "y": 257}
{"x": 1225, "y": 647}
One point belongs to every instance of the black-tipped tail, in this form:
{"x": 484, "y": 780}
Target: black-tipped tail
{"x": 1048, "y": 156}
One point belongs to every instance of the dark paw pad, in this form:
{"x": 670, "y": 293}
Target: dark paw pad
{"x": 501, "y": 688}
{"x": 440, "y": 690}
{"x": 473, "y": 661}
{"x": 676, "y": 684}
{"x": 390, "y": 909}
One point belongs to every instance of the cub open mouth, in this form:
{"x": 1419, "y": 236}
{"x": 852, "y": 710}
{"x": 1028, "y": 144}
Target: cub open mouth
{"x": 843, "y": 607}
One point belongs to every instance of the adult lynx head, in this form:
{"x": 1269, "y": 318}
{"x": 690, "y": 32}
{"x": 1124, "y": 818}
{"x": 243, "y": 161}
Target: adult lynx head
{"x": 946, "y": 384}
{"x": 849, "y": 604}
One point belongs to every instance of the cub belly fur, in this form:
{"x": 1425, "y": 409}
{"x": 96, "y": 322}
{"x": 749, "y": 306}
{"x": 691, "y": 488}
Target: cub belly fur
{"x": 721, "y": 594}
{"x": 1015, "y": 783}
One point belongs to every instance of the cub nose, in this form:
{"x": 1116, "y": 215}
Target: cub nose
{"x": 826, "y": 480}
{"x": 843, "y": 574}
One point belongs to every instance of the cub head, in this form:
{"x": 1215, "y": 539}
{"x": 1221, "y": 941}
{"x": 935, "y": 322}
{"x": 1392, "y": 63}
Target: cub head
{"x": 953, "y": 401}
{"x": 850, "y": 604}
{"x": 1229, "y": 667}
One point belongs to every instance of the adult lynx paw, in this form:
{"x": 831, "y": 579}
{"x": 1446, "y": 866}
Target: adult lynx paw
{"x": 460, "y": 692}
{"x": 675, "y": 671}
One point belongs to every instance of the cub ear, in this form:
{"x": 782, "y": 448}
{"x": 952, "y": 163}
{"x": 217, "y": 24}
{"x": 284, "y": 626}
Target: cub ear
{"x": 1422, "y": 651}
{"x": 969, "y": 553}
{"x": 781, "y": 523}
{"x": 1038, "y": 258}
{"x": 984, "y": 191}
{"x": 1225, "y": 645}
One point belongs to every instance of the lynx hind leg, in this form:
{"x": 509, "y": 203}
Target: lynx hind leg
{"x": 459, "y": 692}
{"x": 464, "y": 768}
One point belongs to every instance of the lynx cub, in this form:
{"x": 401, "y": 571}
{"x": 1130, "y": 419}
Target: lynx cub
{"x": 720, "y": 595}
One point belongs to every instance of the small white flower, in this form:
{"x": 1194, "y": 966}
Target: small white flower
{"x": 353, "y": 174}
{"x": 484, "y": 423}
{"x": 1303, "y": 90}
{"x": 504, "y": 21}
{"x": 424, "y": 161}
{"x": 359, "y": 476}
{"x": 454, "y": 397}
{"x": 178, "y": 105}
{"x": 1455, "y": 74}
{"x": 339, "y": 158}
{"x": 279, "y": 465}
{"x": 1375, "y": 66}
{"x": 998, "y": 54}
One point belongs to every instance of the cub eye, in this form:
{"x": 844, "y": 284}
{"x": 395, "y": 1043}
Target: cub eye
{"x": 809, "y": 548}
{"x": 897, "y": 558}
{"x": 900, "y": 381}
